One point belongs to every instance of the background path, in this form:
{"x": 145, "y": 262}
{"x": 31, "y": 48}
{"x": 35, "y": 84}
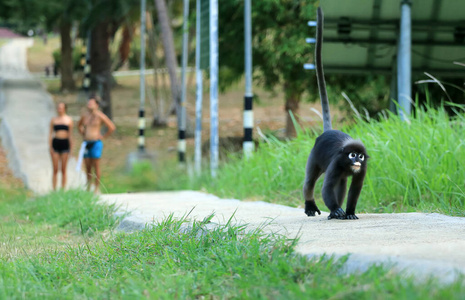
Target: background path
{"x": 419, "y": 244}
{"x": 26, "y": 110}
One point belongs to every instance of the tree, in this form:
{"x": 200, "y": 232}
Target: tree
{"x": 105, "y": 17}
{"x": 49, "y": 15}
{"x": 168, "y": 46}
{"x": 279, "y": 29}
{"x": 67, "y": 80}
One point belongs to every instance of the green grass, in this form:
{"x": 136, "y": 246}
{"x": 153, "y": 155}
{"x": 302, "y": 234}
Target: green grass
{"x": 57, "y": 220}
{"x": 174, "y": 261}
{"x": 142, "y": 177}
{"x": 74, "y": 208}
{"x": 414, "y": 166}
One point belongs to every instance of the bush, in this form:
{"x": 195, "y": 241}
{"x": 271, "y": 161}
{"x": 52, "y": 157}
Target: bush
{"x": 76, "y": 58}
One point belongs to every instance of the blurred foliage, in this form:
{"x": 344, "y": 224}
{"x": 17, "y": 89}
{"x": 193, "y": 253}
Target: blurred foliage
{"x": 369, "y": 93}
{"x": 278, "y": 46}
{"x": 76, "y": 58}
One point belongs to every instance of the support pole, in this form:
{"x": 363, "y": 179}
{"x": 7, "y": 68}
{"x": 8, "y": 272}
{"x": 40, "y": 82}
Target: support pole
{"x": 404, "y": 64}
{"x": 248, "y": 145}
{"x": 393, "y": 87}
{"x": 182, "y": 127}
{"x": 213, "y": 87}
{"x": 86, "y": 80}
{"x": 141, "y": 139}
{"x": 198, "y": 95}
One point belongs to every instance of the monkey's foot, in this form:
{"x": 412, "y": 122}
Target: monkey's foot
{"x": 337, "y": 214}
{"x": 311, "y": 208}
{"x": 351, "y": 217}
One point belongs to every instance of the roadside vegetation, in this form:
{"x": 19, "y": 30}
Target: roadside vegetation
{"x": 413, "y": 166}
{"x": 55, "y": 221}
{"x": 171, "y": 260}
{"x": 62, "y": 245}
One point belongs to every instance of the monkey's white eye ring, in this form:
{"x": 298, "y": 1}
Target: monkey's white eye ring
{"x": 361, "y": 157}
{"x": 352, "y": 155}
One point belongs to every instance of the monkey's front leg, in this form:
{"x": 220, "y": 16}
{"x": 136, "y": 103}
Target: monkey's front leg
{"x": 311, "y": 208}
{"x": 354, "y": 193}
{"x": 332, "y": 179}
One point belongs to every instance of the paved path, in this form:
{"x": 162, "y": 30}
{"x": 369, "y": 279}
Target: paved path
{"x": 422, "y": 244}
{"x": 26, "y": 109}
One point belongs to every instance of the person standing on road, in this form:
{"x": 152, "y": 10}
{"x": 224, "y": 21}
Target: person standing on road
{"x": 60, "y": 143}
{"x": 90, "y": 126}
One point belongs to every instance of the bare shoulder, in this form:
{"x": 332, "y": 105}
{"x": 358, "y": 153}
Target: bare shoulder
{"x": 69, "y": 120}
{"x": 102, "y": 116}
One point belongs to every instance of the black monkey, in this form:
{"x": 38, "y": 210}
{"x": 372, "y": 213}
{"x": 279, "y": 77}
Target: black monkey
{"x": 335, "y": 153}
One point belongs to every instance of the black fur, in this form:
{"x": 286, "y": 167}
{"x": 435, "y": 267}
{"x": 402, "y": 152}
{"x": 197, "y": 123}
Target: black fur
{"x": 331, "y": 155}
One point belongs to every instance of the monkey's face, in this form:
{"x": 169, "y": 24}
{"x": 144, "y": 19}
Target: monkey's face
{"x": 356, "y": 161}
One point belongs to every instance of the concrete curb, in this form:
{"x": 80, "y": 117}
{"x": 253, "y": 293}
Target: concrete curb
{"x": 7, "y": 141}
{"x": 422, "y": 270}
{"x": 411, "y": 244}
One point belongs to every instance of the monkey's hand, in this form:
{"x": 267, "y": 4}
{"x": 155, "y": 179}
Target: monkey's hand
{"x": 338, "y": 213}
{"x": 351, "y": 217}
{"x": 311, "y": 208}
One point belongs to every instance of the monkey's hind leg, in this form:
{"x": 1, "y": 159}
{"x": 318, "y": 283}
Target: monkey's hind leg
{"x": 341, "y": 190}
{"x": 311, "y": 176}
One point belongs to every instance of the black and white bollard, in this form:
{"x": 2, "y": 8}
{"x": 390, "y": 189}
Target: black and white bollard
{"x": 141, "y": 138}
{"x": 248, "y": 145}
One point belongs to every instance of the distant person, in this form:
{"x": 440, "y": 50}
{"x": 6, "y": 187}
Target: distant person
{"x": 90, "y": 126}
{"x": 60, "y": 143}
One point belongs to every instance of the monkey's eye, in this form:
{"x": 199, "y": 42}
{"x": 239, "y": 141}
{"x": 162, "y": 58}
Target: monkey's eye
{"x": 361, "y": 157}
{"x": 352, "y": 155}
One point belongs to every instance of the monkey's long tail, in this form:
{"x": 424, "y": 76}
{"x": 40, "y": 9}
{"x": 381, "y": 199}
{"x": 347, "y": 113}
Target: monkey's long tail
{"x": 320, "y": 76}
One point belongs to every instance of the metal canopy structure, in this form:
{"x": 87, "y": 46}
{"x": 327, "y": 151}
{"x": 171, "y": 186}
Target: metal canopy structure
{"x": 362, "y": 36}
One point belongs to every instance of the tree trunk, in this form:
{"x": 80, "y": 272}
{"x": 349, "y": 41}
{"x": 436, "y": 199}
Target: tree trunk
{"x": 171, "y": 62}
{"x": 160, "y": 117}
{"x": 101, "y": 65}
{"x": 168, "y": 46}
{"x": 125, "y": 45}
{"x": 292, "y": 105}
{"x": 67, "y": 81}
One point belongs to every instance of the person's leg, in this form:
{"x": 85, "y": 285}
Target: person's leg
{"x": 55, "y": 157}
{"x": 88, "y": 163}
{"x": 96, "y": 164}
{"x": 64, "y": 164}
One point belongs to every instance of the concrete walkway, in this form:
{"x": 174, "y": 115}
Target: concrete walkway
{"x": 419, "y": 244}
{"x": 25, "y": 111}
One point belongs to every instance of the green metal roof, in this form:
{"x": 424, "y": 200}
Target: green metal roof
{"x": 361, "y": 36}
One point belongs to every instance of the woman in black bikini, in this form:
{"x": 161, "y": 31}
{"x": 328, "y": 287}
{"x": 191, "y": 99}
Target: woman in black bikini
{"x": 60, "y": 142}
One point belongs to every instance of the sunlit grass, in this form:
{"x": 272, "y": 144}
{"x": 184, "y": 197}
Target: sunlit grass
{"x": 54, "y": 221}
{"x": 175, "y": 261}
{"x": 414, "y": 166}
